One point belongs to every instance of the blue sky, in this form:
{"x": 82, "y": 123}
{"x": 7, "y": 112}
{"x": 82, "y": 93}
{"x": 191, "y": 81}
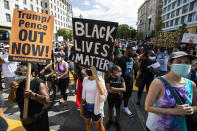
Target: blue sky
{"x": 121, "y": 11}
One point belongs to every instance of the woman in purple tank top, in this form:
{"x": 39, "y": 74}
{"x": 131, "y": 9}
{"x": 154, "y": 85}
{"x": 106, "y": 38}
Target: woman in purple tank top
{"x": 62, "y": 74}
{"x": 163, "y": 112}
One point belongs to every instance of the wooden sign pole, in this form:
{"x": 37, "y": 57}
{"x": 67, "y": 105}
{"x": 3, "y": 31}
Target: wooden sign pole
{"x": 27, "y": 87}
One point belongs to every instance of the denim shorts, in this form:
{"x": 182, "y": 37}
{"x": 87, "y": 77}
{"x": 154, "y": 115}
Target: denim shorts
{"x": 88, "y": 111}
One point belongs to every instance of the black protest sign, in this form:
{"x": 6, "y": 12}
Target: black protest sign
{"x": 166, "y": 39}
{"x": 31, "y": 36}
{"x": 93, "y": 41}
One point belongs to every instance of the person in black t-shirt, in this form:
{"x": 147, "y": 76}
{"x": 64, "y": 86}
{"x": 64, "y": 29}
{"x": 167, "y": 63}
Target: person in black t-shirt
{"x": 38, "y": 96}
{"x": 116, "y": 86}
{"x": 126, "y": 63}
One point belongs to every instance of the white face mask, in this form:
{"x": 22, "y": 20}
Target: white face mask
{"x": 58, "y": 59}
{"x": 152, "y": 57}
{"x": 1, "y": 53}
{"x": 19, "y": 79}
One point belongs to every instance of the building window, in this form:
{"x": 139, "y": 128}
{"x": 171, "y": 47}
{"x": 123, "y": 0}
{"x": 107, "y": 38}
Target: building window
{"x": 61, "y": 24}
{"x": 58, "y": 22}
{"x": 191, "y": 17}
{"x": 6, "y": 4}
{"x": 55, "y": 21}
{"x": 8, "y": 17}
{"x": 37, "y": 9}
{"x": 195, "y": 5}
{"x": 168, "y": 16}
{"x": 46, "y": 11}
{"x": 41, "y": 3}
{"x": 61, "y": 17}
{"x": 31, "y": 6}
{"x": 52, "y": 12}
{"x": 185, "y": 9}
{"x": 31, "y": 0}
{"x": 25, "y": 8}
{"x": 45, "y": 4}
{"x": 184, "y": 1}
{"x": 42, "y": 11}
{"x": 191, "y": 7}
{"x": 172, "y": 14}
{"x": 173, "y": 5}
{"x": 37, "y": 2}
{"x": 171, "y": 23}
{"x": 55, "y": 15}
{"x": 58, "y": 10}
{"x": 57, "y": 3}
{"x": 58, "y": 16}
{"x": 169, "y": 7}
{"x": 16, "y": 6}
{"x": 54, "y": 1}
{"x": 179, "y": 2}
{"x": 51, "y": 6}
{"x": 54, "y": 7}
{"x": 25, "y": 2}
{"x": 60, "y": 4}
{"x": 184, "y": 19}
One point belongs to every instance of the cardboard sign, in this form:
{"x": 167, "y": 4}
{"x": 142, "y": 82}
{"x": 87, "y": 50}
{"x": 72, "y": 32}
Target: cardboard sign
{"x": 93, "y": 42}
{"x": 60, "y": 38}
{"x": 166, "y": 39}
{"x": 189, "y": 38}
{"x": 31, "y": 37}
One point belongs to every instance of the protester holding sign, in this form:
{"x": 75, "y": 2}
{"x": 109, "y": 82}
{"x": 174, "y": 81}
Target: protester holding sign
{"x": 38, "y": 96}
{"x": 93, "y": 96}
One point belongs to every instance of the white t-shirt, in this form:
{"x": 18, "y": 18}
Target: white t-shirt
{"x": 9, "y": 67}
{"x": 90, "y": 89}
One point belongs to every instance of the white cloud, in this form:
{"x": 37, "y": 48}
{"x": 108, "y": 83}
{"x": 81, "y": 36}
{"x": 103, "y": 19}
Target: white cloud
{"x": 86, "y": 2}
{"x": 121, "y": 11}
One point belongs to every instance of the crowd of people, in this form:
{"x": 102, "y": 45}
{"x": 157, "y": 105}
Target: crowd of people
{"x": 169, "y": 75}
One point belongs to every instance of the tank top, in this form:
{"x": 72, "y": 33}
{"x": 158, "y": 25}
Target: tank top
{"x": 34, "y": 107}
{"x": 163, "y": 122}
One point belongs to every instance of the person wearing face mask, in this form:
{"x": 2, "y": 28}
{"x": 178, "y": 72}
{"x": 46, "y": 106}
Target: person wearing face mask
{"x": 116, "y": 86}
{"x": 172, "y": 97}
{"x": 94, "y": 95}
{"x": 146, "y": 73}
{"x": 38, "y": 96}
{"x": 126, "y": 63}
{"x": 62, "y": 71}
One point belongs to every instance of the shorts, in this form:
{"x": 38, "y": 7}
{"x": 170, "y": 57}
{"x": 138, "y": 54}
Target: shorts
{"x": 129, "y": 87}
{"x": 114, "y": 102}
{"x": 89, "y": 113}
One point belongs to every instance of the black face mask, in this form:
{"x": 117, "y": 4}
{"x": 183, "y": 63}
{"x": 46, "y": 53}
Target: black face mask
{"x": 89, "y": 72}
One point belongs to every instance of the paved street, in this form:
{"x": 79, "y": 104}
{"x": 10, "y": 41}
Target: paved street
{"x": 71, "y": 121}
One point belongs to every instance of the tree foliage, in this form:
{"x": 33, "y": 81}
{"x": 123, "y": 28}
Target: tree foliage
{"x": 139, "y": 36}
{"x": 159, "y": 26}
{"x": 182, "y": 30}
{"x": 66, "y": 33}
{"x": 125, "y": 32}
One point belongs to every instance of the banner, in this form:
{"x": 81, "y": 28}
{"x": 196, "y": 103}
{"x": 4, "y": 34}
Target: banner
{"x": 189, "y": 38}
{"x": 31, "y": 37}
{"x": 93, "y": 42}
{"x": 166, "y": 39}
{"x": 60, "y": 38}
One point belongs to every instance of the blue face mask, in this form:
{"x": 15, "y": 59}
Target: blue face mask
{"x": 181, "y": 69}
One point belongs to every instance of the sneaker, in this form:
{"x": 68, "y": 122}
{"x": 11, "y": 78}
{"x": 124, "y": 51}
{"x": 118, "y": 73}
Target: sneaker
{"x": 138, "y": 103}
{"x": 109, "y": 124}
{"x": 127, "y": 111}
{"x": 114, "y": 110}
{"x": 117, "y": 125}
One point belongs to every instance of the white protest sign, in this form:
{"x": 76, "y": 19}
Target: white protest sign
{"x": 189, "y": 38}
{"x": 60, "y": 38}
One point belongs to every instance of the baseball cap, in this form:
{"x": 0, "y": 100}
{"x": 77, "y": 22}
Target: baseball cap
{"x": 58, "y": 54}
{"x": 181, "y": 54}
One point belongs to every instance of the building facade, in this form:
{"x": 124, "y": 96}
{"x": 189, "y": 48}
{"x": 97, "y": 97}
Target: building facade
{"x": 177, "y": 12}
{"x": 61, "y": 9}
{"x": 149, "y": 14}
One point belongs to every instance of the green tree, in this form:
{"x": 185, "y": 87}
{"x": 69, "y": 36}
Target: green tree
{"x": 66, "y": 33}
{"x": 125, "y": 32}
{"x": 182, "y": 30}
{"x": 139, "y": 36}
{"x": 80, "y": 16}
{"x": 159, "y": 26}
